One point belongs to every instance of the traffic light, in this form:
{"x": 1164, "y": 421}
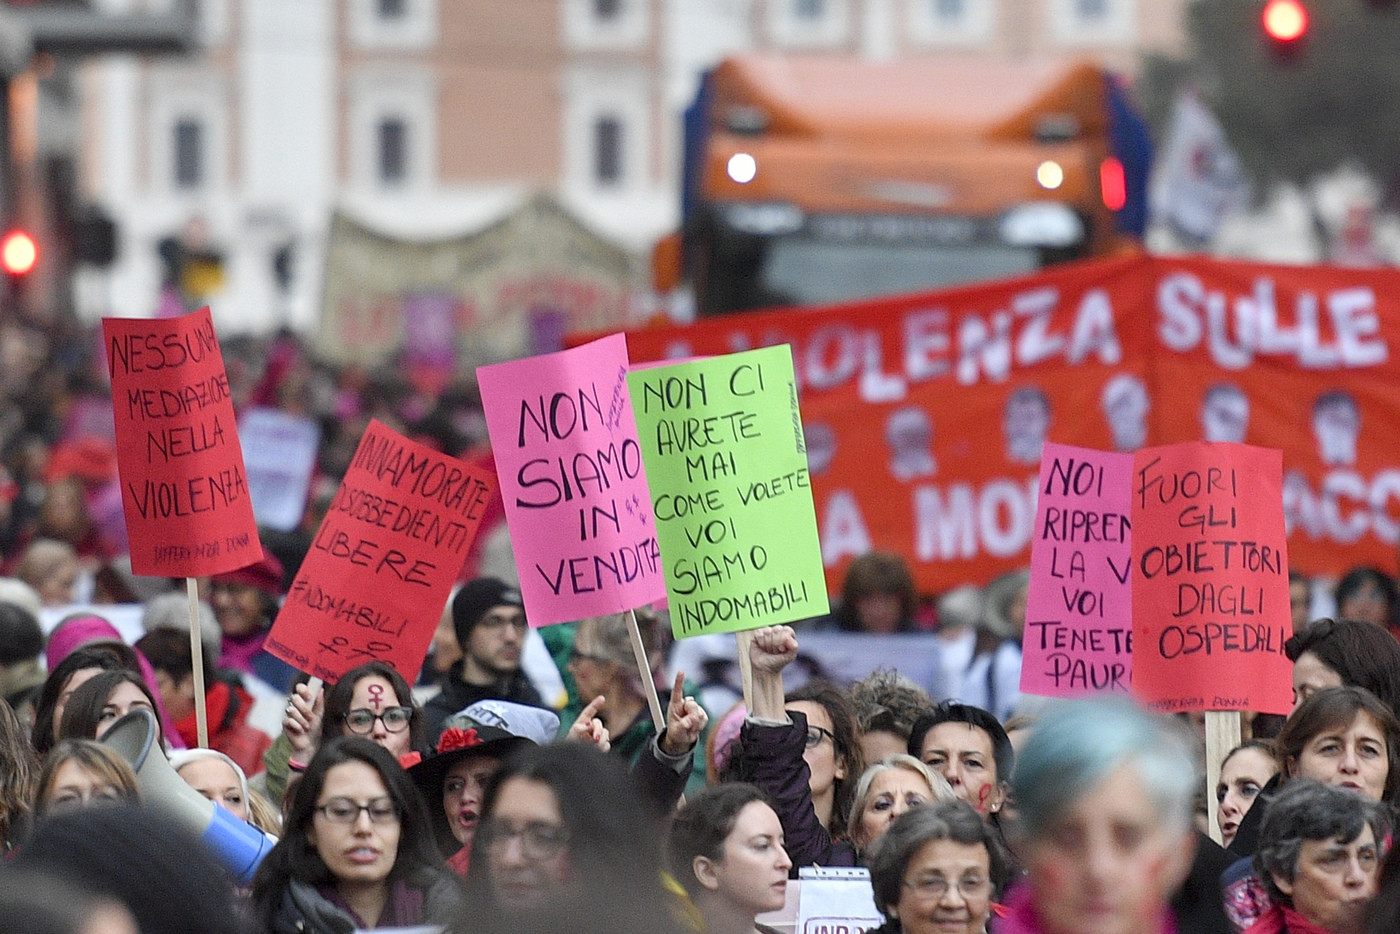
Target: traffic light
{"x": 1285, "y": 25}
{"x": 19, "y": 254}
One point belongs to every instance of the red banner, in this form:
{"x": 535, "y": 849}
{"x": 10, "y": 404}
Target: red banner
{"x": 184, "y": 488}
{"x": 925, "y": 414}
{"x": 383, "y": 562}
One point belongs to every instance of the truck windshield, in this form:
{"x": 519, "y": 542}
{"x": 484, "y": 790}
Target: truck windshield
{"x": 804, "y": 271}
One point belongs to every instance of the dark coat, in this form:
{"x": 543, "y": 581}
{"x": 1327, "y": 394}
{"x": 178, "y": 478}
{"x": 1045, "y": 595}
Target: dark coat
{"x": 771, "y": 758}
{"x": 304, "y": 910}
{"x": 456, "y": 695}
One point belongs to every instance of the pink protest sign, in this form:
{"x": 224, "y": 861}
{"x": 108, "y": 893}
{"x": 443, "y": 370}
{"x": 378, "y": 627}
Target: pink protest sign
{"x": 1210, "y": 580}
{"x": 571, "y": 476}
{"x": 1079, "y": 629}
{"x": 184, "y": 486}
{"x": 384, "y": 559}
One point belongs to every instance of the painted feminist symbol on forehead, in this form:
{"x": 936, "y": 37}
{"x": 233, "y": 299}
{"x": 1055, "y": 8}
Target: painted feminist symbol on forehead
{"x": 376, "y": 696}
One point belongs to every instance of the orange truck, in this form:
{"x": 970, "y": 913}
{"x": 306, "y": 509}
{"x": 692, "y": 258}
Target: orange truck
{"x": 814, "y": 179}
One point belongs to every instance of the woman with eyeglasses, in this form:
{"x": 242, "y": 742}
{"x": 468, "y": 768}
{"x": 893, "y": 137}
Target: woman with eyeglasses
{"x": 372, "y": 700}
{"x": 564, "y": 840}
{"x": 356, "y": 852}
{"x": 936, "y": 871}
{"x": 803, "y": 750}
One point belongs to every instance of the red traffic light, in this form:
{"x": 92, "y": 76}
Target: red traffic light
{"x": 1285, "y": 21}
{"x": 18, "y": 253}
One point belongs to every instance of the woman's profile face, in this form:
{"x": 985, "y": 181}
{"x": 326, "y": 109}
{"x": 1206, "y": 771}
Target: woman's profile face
{"x": 1355, "y": 756}
{"x": 125, "y": 697}
{"x": 527, "y": 845}
{"x": 752, "y": 871}
{"x": 947, "y": 889}
{"x": 592, "y": 672}
{"x": 823, "y": 763}
{"x": 216, "y": 780}
{"x": 1310, "y": 675}
{"x": 76, "y": 680}
{"x": 74, "y": 787}
{"x": 1242, "y": 777}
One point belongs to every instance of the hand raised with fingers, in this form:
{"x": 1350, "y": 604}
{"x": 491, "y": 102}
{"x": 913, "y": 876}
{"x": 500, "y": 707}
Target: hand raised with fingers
{"x": 685, "y": 720}
{"x": 588, "y": 728}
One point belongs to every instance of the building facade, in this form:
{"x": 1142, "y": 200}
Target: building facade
{"x": 430, "y": 118}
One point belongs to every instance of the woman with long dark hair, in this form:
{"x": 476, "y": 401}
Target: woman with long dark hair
{"x": 356, "y": 850}
{"x": 564, "y": 838}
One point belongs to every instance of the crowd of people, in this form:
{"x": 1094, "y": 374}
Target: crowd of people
{"x": 499, "y": 793}
{"x": 543, "y": 780}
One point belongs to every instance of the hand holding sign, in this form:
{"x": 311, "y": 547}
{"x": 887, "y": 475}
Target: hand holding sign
{"x": 302, "y": 721}
{"x": 773, "y": 648}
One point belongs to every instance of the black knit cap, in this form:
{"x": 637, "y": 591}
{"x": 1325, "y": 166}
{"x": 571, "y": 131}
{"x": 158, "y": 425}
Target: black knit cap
{"x": 478, "y": 598}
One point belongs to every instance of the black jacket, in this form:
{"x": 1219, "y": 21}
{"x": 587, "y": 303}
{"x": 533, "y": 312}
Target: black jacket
{"x": 457, "y": 694}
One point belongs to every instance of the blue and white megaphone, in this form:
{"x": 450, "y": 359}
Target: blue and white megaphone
{"x": 238, "y": 845}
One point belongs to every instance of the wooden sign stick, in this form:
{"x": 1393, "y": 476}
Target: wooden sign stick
{"x": 201, "y": 714}
{"x": 1223, "y": 733}
{"x": 658, "y": 717}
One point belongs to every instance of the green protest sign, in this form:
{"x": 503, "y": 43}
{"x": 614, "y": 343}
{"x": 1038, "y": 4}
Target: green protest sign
{"x": 722, "y": 444}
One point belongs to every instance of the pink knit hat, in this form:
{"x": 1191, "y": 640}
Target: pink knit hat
{"x": 75, "y": 632}
{"x": 86, "y": 628}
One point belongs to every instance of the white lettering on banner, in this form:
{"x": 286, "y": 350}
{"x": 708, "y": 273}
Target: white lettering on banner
{"x": 843, "y": 531}
{"x": 986, "y": 346}
{"x": 1345, "y": 508}
{"x": 960, "y": 521}
{"x": 1236, "y": 331}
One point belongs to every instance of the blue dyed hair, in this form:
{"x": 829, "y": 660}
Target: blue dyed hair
{"x": 1080, "y": 743}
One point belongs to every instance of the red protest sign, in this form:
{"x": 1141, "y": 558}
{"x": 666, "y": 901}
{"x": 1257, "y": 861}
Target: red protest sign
{"x": 1210, "y": 588}
{"x": 184, "y": 488}
{"x": 384, "y": 560}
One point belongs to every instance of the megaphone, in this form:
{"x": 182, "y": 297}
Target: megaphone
{"x": 237, "y": 844}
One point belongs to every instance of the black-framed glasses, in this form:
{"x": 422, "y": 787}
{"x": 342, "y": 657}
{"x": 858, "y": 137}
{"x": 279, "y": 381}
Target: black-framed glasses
{"x": 815, "y": 735}
{"x": 361, "y": 720}
{"x": 495, "y": 621}
{"x": 346, "y": 811}
{"x": 935, "y": 887}
{"x": 537, "y": 840}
